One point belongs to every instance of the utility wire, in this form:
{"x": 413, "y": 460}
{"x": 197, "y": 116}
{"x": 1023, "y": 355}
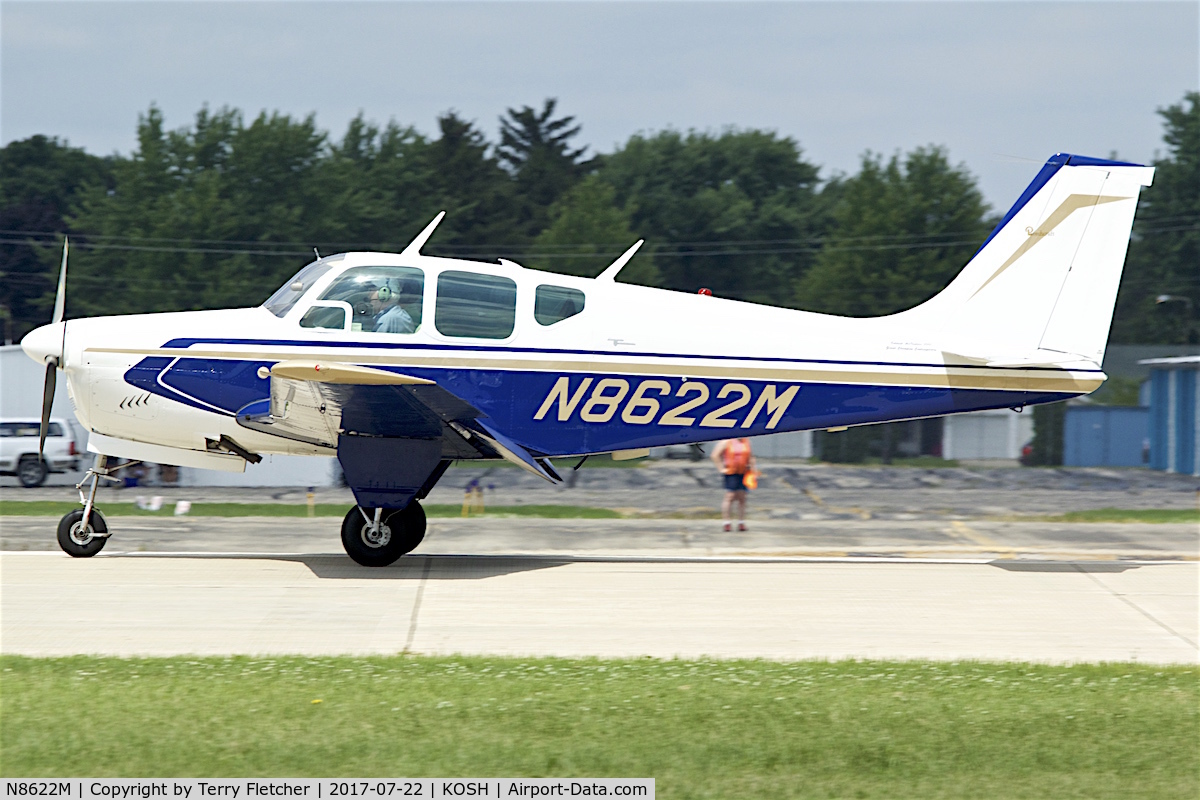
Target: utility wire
{"x": 669, "y": 251}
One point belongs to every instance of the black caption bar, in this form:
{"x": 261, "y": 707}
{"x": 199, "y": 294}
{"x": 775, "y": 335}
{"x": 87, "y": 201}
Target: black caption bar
{"x": 324, "y": 788}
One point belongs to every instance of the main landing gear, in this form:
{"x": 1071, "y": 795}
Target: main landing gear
{"x": 83, "y": 532}
{"x": 375, "y": 537}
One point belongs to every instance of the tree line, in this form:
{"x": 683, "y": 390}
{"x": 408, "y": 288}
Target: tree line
{"x": 220, "y": 212}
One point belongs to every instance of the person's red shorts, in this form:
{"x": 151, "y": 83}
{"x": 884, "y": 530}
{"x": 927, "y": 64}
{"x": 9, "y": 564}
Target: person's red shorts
{"x": 735, "y": 483}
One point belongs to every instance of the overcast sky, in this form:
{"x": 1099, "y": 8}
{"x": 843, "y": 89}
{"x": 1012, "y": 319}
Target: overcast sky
{"x": 1002, "y": 85}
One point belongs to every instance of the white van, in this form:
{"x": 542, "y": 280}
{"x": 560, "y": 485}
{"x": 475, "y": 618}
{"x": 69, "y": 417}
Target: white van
{"x": 19, "y": 450}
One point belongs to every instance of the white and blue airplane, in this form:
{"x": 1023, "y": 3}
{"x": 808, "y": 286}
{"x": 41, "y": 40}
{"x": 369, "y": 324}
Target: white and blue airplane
{"x": 400, "y": 364}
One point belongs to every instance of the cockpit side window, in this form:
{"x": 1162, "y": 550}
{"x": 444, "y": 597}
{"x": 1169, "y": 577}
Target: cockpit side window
{"x": 475, "y": 305}
{"x": 383, "y": 299}
{"x": 287, "y": 296}
{"x": 553, "y": 304}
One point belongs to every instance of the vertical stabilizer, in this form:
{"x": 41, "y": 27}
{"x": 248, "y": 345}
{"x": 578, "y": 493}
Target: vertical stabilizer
{"x": 1045, "y": 282}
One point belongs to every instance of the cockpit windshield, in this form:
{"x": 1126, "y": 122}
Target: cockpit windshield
{"x": 282, "y": 301}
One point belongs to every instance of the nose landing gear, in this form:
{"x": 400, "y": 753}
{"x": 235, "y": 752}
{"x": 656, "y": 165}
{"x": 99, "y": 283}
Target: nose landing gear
{"x": 377, "y": 537}
{"x": 83, "y": 532}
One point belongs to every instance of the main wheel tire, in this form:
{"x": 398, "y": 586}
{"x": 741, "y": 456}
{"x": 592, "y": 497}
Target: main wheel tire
{"x": 79, "y": 542}
{"x": 32, "y": 471}
{"x": 400, "y": 531}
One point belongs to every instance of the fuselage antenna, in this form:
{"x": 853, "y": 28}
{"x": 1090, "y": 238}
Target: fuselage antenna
{"x": 318, "y": 252}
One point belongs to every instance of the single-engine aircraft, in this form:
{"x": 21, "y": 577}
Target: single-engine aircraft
{"x": 400, "y": 364}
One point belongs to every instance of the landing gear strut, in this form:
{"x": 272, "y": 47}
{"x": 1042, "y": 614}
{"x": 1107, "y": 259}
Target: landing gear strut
{"x": 83, "y": 532}
{"x": 375, "y": 537}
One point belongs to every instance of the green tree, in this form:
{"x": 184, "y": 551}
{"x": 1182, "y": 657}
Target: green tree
{"x": 736, "y": 212}
{"x": 587, "y": 231}
{"x": 901, "y": 231}
{"x": 379, "y": 187}
{"x": 202, "y": 217}
{"x": 1049, "y": 421}
{"x": 1164, "y": 252}
{"x": 475, "y": 191}
{"x": 40, "y": 178}
{"x": 536, "y": 148}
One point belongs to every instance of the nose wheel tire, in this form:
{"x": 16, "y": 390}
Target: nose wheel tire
{"x": 399, "y": 532}
{"x": 78, "y": 541}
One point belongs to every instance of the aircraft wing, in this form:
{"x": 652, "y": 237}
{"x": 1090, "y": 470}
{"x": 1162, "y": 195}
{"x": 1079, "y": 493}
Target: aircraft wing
{"x": 320, "y": 402}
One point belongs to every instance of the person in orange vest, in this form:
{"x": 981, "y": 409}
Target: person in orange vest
{"x": 734, "y": 459}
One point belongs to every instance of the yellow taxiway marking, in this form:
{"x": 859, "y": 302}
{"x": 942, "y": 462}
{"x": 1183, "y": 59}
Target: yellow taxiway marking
{"x": 964, "y": 531}
{"x": 862, "y": 513}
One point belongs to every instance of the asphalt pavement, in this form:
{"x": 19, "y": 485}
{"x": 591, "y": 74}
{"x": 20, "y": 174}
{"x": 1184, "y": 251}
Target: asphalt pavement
{"x": 837, "y": 562}
{"x": 560, "y": 606}
{"x": 800, "y": 509}
{"x": 787, "y": 490}
{"x": 673, "y": 538}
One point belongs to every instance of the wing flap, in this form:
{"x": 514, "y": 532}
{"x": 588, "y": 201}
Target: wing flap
{"x": 512, "y": 452}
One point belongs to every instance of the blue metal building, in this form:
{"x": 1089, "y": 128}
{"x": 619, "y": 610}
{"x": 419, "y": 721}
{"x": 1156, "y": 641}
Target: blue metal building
{"x": 1105, "y": 436}
{"x": 1174, "y": 409}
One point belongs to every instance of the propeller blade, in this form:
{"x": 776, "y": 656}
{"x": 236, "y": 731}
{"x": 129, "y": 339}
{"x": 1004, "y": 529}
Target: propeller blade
{"x": 60, "y": 299}
{"x": 47, "y": 401}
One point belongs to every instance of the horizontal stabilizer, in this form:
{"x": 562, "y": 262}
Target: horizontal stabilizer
{"x": 1002, "y": 360}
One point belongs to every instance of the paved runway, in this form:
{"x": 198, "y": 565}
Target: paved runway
{"x": 623, "y": 606}
{"x": 921, "y": 538}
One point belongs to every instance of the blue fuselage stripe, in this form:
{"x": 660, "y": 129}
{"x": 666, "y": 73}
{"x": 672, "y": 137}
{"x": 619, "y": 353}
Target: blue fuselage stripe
{"x": 575, "y": 412}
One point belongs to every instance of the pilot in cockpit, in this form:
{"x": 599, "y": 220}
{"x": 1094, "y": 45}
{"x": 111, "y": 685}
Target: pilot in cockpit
{"x": 389, "y": 315}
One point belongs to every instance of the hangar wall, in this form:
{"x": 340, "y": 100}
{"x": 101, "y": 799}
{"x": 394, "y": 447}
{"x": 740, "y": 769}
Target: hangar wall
{"x": 1174, "y": 411}
{"x": 995, "y": 435}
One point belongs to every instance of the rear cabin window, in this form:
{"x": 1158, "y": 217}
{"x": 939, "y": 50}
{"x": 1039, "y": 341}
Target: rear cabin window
{"x": 381, "y": 300}
{"x": 479, "y": 306}
{"x": 553, "y": 304}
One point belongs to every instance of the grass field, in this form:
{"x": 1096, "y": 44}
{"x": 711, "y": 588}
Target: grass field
{"x": 736, "y": 729}
{"x": 50, "y": 508}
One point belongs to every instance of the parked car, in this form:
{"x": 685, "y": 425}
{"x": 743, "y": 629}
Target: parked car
{"x": 19, "y": 450}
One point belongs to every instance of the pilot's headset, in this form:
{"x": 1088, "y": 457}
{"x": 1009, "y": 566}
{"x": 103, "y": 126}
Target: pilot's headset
{"x": 387, "y": 291}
